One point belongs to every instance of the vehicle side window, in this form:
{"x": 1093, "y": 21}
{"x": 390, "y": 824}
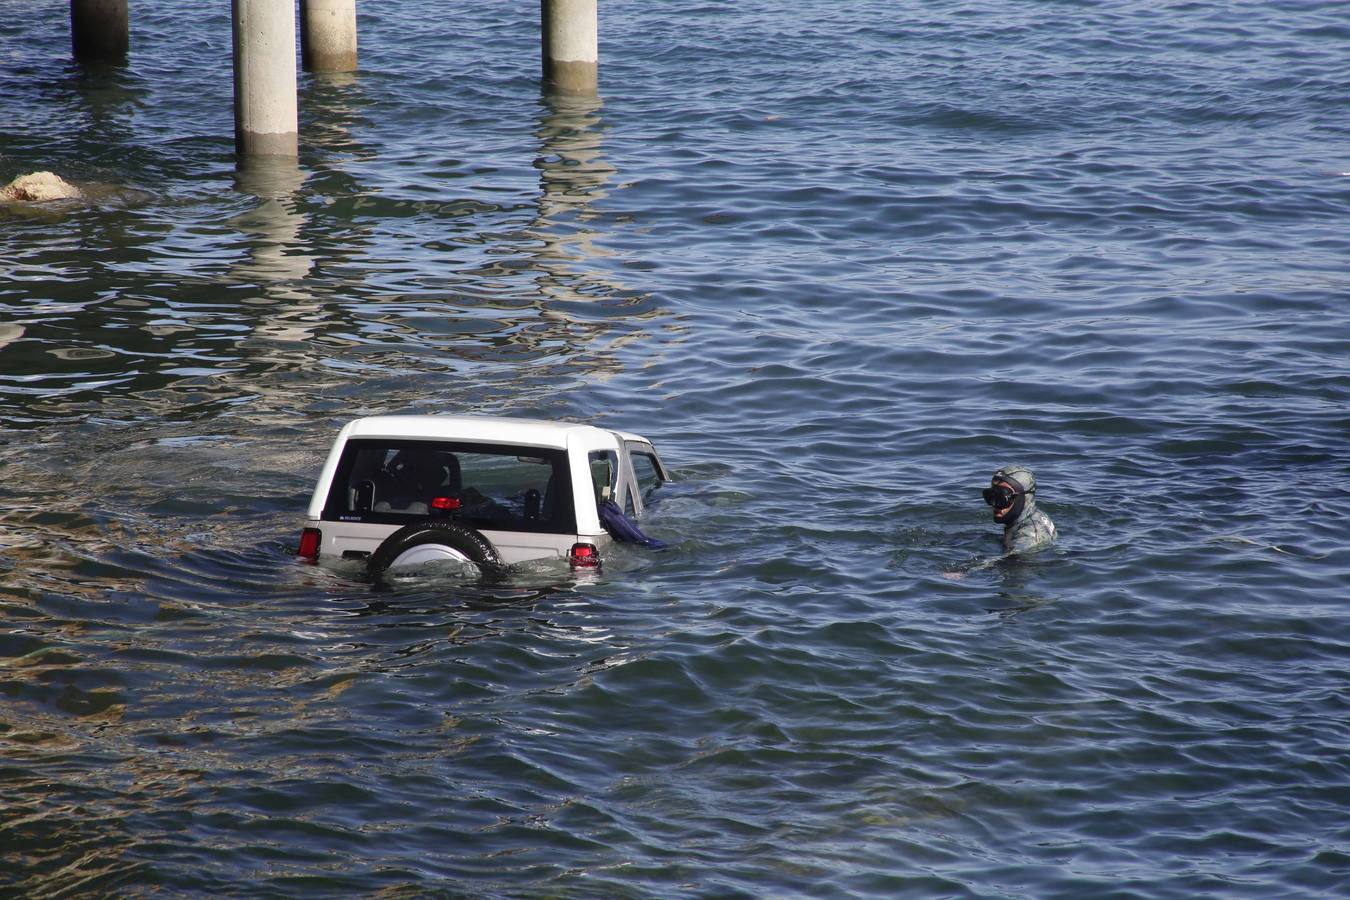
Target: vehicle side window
{"x": 648, "y": 475}
{"x": 604, "y": 474}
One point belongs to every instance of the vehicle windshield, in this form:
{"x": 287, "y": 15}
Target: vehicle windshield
{"x": 502, "y": 488}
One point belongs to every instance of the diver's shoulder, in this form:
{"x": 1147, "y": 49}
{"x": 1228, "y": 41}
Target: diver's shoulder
{"x": 1035, "y": 531}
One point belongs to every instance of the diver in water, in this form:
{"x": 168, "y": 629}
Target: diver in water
{"x": 1011, "y": 493}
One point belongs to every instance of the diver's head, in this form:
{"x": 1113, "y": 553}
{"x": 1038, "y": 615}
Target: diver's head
{"x": 1011, "y": 493}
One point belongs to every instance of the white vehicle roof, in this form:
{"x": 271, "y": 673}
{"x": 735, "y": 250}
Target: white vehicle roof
{"x": 485, "y": 429}
{"x": 577, "y": 441}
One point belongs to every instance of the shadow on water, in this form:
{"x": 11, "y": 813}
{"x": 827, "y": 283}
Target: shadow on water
{"x": 94, "y": 99}
{"x": 446, "y": 593}
{"x": 465, "y": 584}
{"x": 938, "y": 547}
{"x": 1017, "y": 578}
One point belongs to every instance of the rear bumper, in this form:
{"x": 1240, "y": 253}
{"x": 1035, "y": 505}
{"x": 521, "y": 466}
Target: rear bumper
{"x": 359, "y": 540}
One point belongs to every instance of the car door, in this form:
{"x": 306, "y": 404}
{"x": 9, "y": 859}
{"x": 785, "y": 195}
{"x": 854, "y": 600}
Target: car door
{"x": 642, "y": 474}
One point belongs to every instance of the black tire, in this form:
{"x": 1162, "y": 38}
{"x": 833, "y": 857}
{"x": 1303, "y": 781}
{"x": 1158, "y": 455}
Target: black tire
{"x": 461, "y": 538}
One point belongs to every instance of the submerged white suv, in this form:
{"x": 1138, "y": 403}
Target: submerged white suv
{"x": 401, "y": 491}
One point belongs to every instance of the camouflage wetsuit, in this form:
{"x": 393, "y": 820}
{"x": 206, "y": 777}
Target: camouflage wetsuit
{"x": 1024, "y": 526}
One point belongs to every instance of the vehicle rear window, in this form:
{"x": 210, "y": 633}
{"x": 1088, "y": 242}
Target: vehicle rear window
{"x": 500, "y": 488}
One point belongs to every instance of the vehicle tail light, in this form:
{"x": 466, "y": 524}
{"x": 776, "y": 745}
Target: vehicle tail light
{"x": 310, "y": 539}
{"x": 584, "y": 556}
{"x": 445, "y": 504}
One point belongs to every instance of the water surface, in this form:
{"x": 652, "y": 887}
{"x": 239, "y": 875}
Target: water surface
{"x": 839, "y": 264}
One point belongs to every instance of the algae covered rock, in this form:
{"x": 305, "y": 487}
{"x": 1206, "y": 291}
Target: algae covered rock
{"x": 39, "y": 187}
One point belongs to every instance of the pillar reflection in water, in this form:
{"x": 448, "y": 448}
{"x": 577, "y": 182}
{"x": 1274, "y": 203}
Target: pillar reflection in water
{"x": 335, "y": 105}
{"x": 575, "y": 277}
{"x": 276, "y": 262}
{"x": 573, "y": 176}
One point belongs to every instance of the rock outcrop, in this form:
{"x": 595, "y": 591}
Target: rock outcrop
{"x": 39, "y": 187}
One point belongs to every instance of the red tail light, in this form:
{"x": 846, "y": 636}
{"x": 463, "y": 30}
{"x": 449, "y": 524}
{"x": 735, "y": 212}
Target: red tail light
{"x": 310, "y": 539}
{"x": 584, "y": 556}
{"x": 445, "y": 504}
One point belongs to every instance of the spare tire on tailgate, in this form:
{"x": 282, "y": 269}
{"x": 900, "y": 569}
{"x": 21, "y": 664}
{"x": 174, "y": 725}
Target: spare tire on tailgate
{"x": 428, "y": 541}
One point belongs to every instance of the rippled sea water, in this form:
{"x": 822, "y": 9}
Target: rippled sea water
{"x": 839, "y": 263}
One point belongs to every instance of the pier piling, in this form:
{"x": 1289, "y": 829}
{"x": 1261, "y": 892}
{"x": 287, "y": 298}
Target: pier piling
{"x": 99, "y": 30}
{"x": 266, "y": 121}
{"x": 328, "y": 35}
{"x": 570, "y": 32}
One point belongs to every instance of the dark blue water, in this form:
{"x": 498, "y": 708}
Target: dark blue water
{"x": 839, "y": 262}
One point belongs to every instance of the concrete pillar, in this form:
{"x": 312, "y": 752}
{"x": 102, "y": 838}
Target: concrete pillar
{"x": 266, "y": 121}
{"x": 328, "y": 35}
{"x": 99, "y": 30}
{"x": 571, "y": 41}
